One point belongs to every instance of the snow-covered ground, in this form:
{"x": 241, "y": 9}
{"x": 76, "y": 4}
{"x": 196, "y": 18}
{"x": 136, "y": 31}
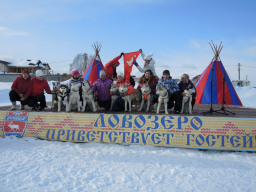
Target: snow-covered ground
{"x": 27, "y": 164}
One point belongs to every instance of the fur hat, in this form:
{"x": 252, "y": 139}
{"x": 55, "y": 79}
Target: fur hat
{"x": 121, "y": 74}
{"x": 184, "y": 75}
{"x": 166, "y": 72}
{"x": 75, "y": 72}
{"x": 39, "y": 73}
{"x": 102, "y": 72}
{"x": 148, "y": 57}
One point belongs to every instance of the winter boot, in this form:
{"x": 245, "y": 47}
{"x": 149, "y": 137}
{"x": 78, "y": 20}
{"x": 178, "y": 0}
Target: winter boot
{"x": 13, "y": 106}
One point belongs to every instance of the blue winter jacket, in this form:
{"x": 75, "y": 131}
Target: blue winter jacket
{"x": 170, "y": 84}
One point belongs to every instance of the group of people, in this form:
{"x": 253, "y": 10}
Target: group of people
{"x": 31, "y": 91}
{"x": 107, "y": 76}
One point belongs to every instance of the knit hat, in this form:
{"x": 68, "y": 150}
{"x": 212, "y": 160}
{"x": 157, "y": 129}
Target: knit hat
{"x": 25, "y": 72}
{"x": 121, "y": 74}
{"x": 39, "y": 73}
{"x": 75, "y": 72}
{"x": 102, "y": 72}
{"x": 148, "y": 57}
{"x": 166, "y": 72}
{"x": 184, "y": 75}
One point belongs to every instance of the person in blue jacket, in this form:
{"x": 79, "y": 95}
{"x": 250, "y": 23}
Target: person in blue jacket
{"x": 174, "y": 91}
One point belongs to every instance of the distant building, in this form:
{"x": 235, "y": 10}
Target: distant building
{"x": 17, "y": 66}
{"x": 241, "y": 83}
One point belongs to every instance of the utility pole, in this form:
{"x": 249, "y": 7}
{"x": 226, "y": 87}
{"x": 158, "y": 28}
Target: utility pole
{"x": 239, "y": 71}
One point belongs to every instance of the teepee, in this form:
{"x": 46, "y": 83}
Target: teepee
{"x": 213, "y": 86}
{"x": 92, "y": 71}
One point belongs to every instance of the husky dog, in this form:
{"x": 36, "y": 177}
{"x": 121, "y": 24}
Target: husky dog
{"x": 127, "y": 98}
{"x": 115, "y": 90}
{"x": 62, "y": 96}
{"x": 55, "y": 87}
{"x": 187, "y": 101}
{"x": 136, "y": 97}
{"x": 88, "y": 96}
{"x": 146, "y": 95}
{"x": 163, "y": 98}
{"x": 74, "y": 98}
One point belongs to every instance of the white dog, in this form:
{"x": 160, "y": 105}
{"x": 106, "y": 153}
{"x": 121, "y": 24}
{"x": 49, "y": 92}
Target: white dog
{"x": 187, "y": 101}
{"x": 55, "y": 87}
{"x": 88, "y": 96}
{"x": 115, "y": 90}
{"x": 62, "y": 96}
{"x": 74, "y": 98}
{"x": 127, "y": 98}
{"x": 162, "y": 98}
{"x": 146, "y": 95}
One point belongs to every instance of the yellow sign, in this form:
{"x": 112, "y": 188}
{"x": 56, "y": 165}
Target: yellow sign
{"x": 159, "y": 130}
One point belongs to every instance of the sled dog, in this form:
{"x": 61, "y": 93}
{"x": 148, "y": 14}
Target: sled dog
{"x": 136, "y": 97}
{"x": 146, "y": 96}
{"x": 162, "y": 98}
{"x": 55, "y": 88}
{"x": 127, "y": 98}
{"x": 115, "y": 90}
{"x": 62, "y": 96}
{"x": 74, "y": 98}
{"x": 88, "y": 96}
{"x": 187, "y": 101}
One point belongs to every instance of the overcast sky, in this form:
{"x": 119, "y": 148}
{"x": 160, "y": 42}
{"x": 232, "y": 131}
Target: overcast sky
{"x": 177, "y": 32}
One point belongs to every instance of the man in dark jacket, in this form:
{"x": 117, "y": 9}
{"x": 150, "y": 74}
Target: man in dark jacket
{"x": 174, "y": 91}
{"x": 21, "y": 90}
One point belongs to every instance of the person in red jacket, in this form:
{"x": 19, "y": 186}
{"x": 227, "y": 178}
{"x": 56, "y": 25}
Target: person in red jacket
{"x": 110, "y": 67}
{"x": 21, "y": 90}
{"x": 119, "y": 103}
{"x": 39, "y": 86}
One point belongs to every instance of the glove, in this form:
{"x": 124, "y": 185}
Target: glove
{"x": 135, "y": 63}
{"x": 140, "y": 50}
{"x": 121, "y": 54}
{"x": 123, "y": 94}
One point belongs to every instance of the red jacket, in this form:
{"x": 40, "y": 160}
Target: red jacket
{"x": 130, "y": 87}
{"x": 39, "y": 86}
{"x": 23, "y": 86}
{"x": 110, "y": 69}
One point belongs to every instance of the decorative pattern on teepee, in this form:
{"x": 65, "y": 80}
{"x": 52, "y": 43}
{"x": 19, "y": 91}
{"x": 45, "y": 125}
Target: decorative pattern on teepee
{"x": 92, "y": 71}
{"x": 216, "y": 73}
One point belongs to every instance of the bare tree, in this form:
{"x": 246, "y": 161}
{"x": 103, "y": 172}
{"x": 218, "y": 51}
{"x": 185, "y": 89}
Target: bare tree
{"x": 80, "y": 62}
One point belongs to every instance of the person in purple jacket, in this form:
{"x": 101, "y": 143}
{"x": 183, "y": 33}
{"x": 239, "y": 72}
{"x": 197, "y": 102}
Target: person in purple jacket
{"x": 101, "y": 87}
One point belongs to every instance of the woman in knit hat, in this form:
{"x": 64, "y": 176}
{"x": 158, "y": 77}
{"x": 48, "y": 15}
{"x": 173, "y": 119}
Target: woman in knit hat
{"x": 21, "y": 90}
{"x": 102, "y": 89}
{"x": 75, "y": 78}
{"x": 148, "y": 65}
{"x": 39, "y": 86}
{"x": 119, "y": 103}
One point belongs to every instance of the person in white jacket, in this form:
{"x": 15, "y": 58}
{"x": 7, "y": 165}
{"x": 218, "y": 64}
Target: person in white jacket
{"x": 149, "y": 63}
